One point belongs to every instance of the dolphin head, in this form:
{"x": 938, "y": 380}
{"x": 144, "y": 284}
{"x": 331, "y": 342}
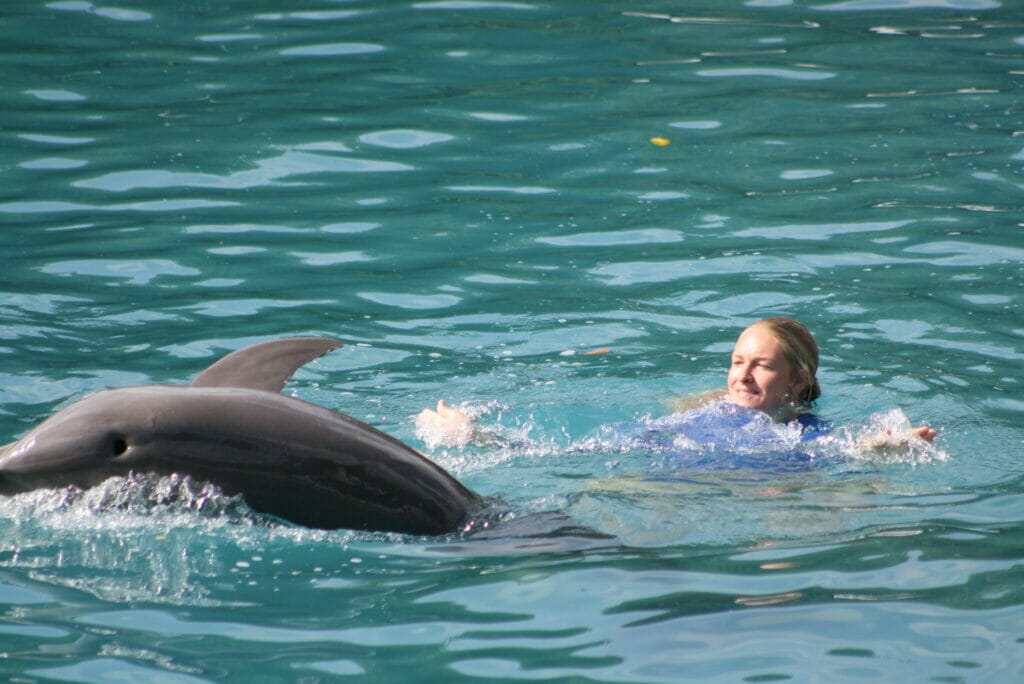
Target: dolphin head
{"x": 83, "y": 444}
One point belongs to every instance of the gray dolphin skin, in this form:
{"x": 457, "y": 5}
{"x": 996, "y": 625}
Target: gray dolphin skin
{"x": 288, "y": 458}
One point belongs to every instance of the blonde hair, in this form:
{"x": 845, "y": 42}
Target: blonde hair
{"x": 800, "y": 350}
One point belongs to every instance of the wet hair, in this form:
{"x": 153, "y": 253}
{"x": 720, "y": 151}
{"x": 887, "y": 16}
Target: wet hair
{"x": 800, "y": 350}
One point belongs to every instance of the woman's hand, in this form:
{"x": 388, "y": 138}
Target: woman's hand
{"x": 444, "y": 426}
{"x": 924, "y": 432}
{"x": 887, "y": 439}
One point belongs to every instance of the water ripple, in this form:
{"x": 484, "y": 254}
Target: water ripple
{"x": 696, "y": 125}
{"x": 54, "y": 164}
{"x": 767, "y": 72}
{"x": 615, "y": 238}
{"x": 639, "y": 272}
{"x": 228, "y": 308}
{"x": 133, "y": 271}
{"x": 111, "y": 669}
{"x": 471, "y": 5}
{"x": 888, "y": 5}
{"x": 56, "y": 95}
{"x": 404, "y": 138}
{"x": 412, "y": 301}
{"x": 310, "y": 15}
{"x": 515, "y": 190}
{"x": 332, "y": 258}
{"x": 228, "y": 37}
{"x": 56, "y": 139}
{"x": 333, "y": 50}
{"x": 115, "y": 13}
{"x": 168, "y": 625}
{"x": 819, "y": 231}
{"x": 53, "y": 206}
{"x": 465, "y": 192}
{"x": 269, "y": 172}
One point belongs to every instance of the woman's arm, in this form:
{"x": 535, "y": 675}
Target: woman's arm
{"x": 692, "y": 401}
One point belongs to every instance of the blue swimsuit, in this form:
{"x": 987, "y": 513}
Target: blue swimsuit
{"x": 724, "y": 436}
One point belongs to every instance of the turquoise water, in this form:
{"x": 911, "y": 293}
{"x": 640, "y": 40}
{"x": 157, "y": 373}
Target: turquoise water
{"x": 467, "y": 194}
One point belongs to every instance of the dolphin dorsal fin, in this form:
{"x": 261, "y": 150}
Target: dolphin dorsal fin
{"x": 265, "y": 365}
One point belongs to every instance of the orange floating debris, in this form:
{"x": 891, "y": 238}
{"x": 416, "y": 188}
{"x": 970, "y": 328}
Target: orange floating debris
{"x": 777, "y": 566}
{"x": 595, "y": 352}
{"x": 660, "y": 142}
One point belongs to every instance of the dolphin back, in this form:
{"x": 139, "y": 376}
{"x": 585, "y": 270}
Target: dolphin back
{"x": 293, "y": 460}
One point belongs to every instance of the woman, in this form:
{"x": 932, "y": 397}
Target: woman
{"x": 773, "y": 370}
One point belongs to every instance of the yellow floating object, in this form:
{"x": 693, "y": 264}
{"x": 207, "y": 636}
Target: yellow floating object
{"x": 594, "y": 352}
{"x": 660, "y": 142}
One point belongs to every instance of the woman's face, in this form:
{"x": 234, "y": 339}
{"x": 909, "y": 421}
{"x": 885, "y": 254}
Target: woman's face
{"x": 760, "y": 377}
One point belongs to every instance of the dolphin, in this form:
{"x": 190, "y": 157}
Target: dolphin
{"x": 232, "y": 427}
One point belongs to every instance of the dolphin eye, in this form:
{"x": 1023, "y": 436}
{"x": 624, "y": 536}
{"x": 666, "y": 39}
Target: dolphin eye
{"x": 118, "y": 446}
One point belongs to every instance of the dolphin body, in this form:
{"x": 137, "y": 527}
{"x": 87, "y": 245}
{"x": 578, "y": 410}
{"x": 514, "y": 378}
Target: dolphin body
{"x": 297, "y": 461}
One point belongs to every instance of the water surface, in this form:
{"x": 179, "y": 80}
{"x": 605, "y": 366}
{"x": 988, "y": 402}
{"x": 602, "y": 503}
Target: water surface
{"x": 467, "y": 194}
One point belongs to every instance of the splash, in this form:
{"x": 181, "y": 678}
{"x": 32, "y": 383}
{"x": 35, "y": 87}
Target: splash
{"x": 722, "y": 436}
{"x": 718, "y": 436}
{"x": 459, "y": 442}
{"x": 884, "y": 437}
{"x": 127, "y": 501}
{"x": 169, "y": 539}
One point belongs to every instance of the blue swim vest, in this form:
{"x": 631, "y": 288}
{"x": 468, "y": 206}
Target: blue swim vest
{"x": 725, "y": 436}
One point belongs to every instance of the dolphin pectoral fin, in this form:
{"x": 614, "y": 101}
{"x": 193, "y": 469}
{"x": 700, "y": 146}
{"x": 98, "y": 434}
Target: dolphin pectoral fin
{"x": 265, "y": 365}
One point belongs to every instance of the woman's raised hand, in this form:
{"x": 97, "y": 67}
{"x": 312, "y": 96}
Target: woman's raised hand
{"x": 924, "y": 432}
{"x": 444, "y": 426}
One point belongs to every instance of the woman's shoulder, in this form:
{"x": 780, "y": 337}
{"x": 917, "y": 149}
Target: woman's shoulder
{"x": 695, "y": 401}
